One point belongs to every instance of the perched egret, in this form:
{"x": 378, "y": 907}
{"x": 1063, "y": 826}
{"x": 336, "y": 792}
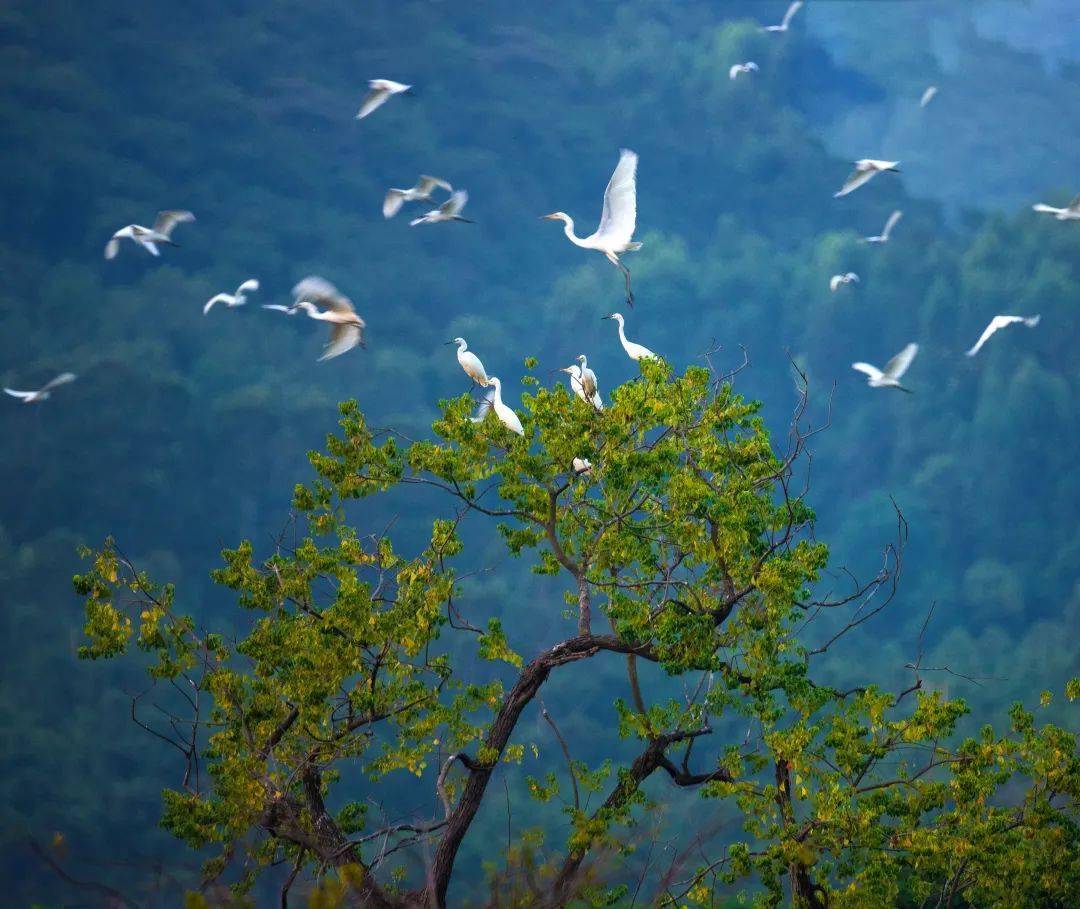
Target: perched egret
{"x": 1070, "y": 212}
{"x": 928, "y": 96}
{"x": 588, "y": 377}
{"x": 788, "y": 16}
{"x": 346, "y": 327}
{"x": 236, "y": 299}
{"x": 381, "y": 90}
{"x": 1001, "y": 322}
{"x": 865, "y": 170}
{"x": 837, "y": 280}
{"x": 395, "y": 198}
{"x": 581, "y": 466}
{"x": 633, "y": 351}
{"x": 149, "y": 237}
{"x": 506, "y": 416}
{"x": 883, "y": 237}
{"x": 470, "y": 362}
{"x": 890, "y": 376}
{"x": 578, "y": 388}
{"x": 617, "y": 221}
{"x": 748, "y": 67}
{"x": 450, "y": 210}
{"x": 43, "y": 393}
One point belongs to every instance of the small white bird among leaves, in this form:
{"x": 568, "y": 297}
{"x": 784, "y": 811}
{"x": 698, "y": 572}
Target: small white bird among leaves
{"x": 865, "y": 170}
{"x": 43, "y": 393}
{"x": 235, "y": 299}
{"x": 321, "y": 300}
{"x": 149, "y": 237}
{"x": 883, "y": 237}
{"x": 633, "y": 351}
{"x": 470, "y": 362}
{"x": 788, "y": 16}
{"x": 748, "y": 67}
{"x": 894, "y": 370}
{"x": 837, "y": 281}
{"x": 381, "y": 92}
{"x": 1070, "y": 212}
{"x": 581, "y": 466}
{"x": 425, "y": 186}
{"x": 928, "y": 96}
{"x": 999, "y": 322}
{"x": 450, "y": 210}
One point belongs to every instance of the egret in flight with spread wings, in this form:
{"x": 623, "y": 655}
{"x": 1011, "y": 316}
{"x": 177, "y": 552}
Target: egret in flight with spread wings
{"x": 506, "y": 416}
{"x": 43, "y": 393}
{"x": 788, "y": 16}
{"x": 617, "y": 221}
{"x": 836, "y": 281}
{"x": 381, "y": 92}
{"x": 865, "y": 170}
{"x": 1001, "y": 322}
{"x": 237, "y": 299}
{"x": 470, "y": 362}
{"x": 1070, "y": 212}
{"x": 748, "y": 67}
{"x": 928, "y": 96}
{"x": 633, "y": 351}
{"x": 395, "y": 198}
{"x": 321, "y": 300}
{"x": 883, "y": 237}
{"x": 149, "y": 237}
{"x": 450, "y": 210}
{"x": 894, "y": 370}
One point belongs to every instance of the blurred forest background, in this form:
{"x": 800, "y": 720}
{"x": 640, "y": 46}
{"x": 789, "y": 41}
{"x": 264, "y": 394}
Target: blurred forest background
{"x": 185, "y": 434}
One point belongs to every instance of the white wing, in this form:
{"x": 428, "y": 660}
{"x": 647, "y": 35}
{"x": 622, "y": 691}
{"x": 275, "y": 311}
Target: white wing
{"x": 112, "y": 248}
{"x": 835, "y": 281}
{"x": 343, "y": 338}
{"x": 150, "y": 247}
{"x": 734, "y": 71}
{"x": 619, "y": 217}
{"x": 928, "y": 96}
{"x": 167, "y": 220}
{"x": 899, "y": 364}
{"x": 1038, "y": 206}
{"x": 455, "y": 203}
{"x": 856, "y": 179}
{"x": 891, "y": 223}
{"x": 21, "y": 395}
{"x": 61, "y": 379}
{"x": 999, "y": 322}
{"x": 426, "y": 184}
{"x": 790, "y": 14}
{"x": 219, "y": 298}
{"x": 872, "y": 371}
{"x": 251, "y": 284}
{"x": 277, "y": 307}
{"x": 322, "y": 293}
{"x": 395, "y": 198}
{"x": 375, "y": 99}
{"x": 1074, "y": 205}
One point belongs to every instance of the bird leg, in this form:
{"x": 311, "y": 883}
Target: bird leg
{"x": 629, "y": 292}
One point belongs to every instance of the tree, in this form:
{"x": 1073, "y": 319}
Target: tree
{"x": 688, "y": 545}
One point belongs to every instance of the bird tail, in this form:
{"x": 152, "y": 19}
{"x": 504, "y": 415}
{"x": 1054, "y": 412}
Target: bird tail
{"x": 634, "y": 247}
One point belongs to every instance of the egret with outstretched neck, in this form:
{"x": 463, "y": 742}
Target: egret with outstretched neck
{"x": 506, "y": 416}
{"x": 470, "y": 362}
{"x": 633, "y": 351}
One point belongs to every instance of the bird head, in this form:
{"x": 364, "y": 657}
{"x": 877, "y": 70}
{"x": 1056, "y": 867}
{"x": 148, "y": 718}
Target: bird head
{"x": 581, "y": 359}
{"x": 456, "y": 341}
{"x": 555, "y": 216}
{"x": 617, "y": 316}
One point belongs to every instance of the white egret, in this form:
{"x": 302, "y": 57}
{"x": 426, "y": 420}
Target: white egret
{"x": 1070, "y": 212}
{"x": 883, "y": 237}
{"x": 837, "y": 280}
{"x": 346, "y": 327}
{"x": 581, "y": 466}
{"x": 633, "y": 351}
{"x": 149, "y": 237}
{"x": 470, "y": 362}
{"x": 788, "y": 16}
{"x": 578, "y": 388}
{"x": 928, "y": 96}
{"x": 748, "y": 67}
{"x": 1001, "y": 322}
{"x": 894, "y": 370}
{"x": 395, "y": 198}
{"x": 865, "y": 170}
{"x": 617, "y": 220}
{"x": 43, "y": 393}
{"x": 236, "y": 299}
{"x": 506, "y": 416}
{"x": 381, "y": 91}
{"x": 588, "y": 378}
{"x": 450, "y": 210}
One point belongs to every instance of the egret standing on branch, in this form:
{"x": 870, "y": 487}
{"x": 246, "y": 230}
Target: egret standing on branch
{"x": 633, "y": 351}
{"x": 395, "y": 198}
{"x": 381, "y": 91}
{"x": 1001, "y": 322}
{"x": 470, "y": 362}
{"x": 617, "y": 221}
{"x": 865, "y": 170}
{"x": 1071, "y": 212}
{"x": 346, "y": 327}
{"x": 43, "y": 393}
{"x": 450, "y": 210}
{"x": 883, "y": 237}
{"x": 506, "y": 416}
{"x": 890, "y": 376}
{"x": 788, "y": 16}
{"x": 149, "y": 237}
{"x": 237, "y": 299}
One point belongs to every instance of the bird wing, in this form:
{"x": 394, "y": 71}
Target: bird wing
{"x": 872, "y": 371}
{"x": 1043, "y": 207}
{"x": 855, "y": 179}
{"x": 835, "y": 281}
{"x": 150, "y": 247}
{"x": 112, "y": 248}
{"x": 61, "y": 379}
{"x": 21, "y": 395}
{"x": 278, "y": 308}
{"x": 251, "y": 284}
{"x": 455, "y": 203}
{"x": 343, "y": 337}
{"x": 375, "y": 99}
{"x": 426, "y": 184}
{"x": 997, "y": 323}
{"x": 927, "y": 96}
{"x": 218, "y": 298}
{"x": 790, "y": 14}
{"x": 1032, "y": 321}
{"x": 395, "y": 198}
{"x": 1074, "y": 205}
{"x": 619, "y": 217}
{"x": 322, "y": 293}
{"x": 899, "y": 364}
{"x": 167, "y": 220}
{"x": 734, "y": 71}
{"x": 892, "y": 222}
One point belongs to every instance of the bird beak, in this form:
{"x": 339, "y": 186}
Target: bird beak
{"x": 550, "y": 217}
{"x": 604, "y": 317}
{"x": 448, "y": 342}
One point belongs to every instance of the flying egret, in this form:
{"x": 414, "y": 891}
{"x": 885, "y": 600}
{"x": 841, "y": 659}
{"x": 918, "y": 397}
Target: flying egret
{"x": 837, "y": 280}
{"x": 581, "y": 466}
{"x": 149, "y": 237}
{"x": 450, "y": 210}
{"x": 1001, "y": 322}
{"x": 236, "y": 299}
{"x": 633, "y": 351}
{"x": 395, "y": 198}
{"x": 883, "y": 237}
{"x": 470, "y": 362}
{"x": 381, "y": 91}
{"x": 748, "y": 67}
{"x": 43, "y": 393}
{"x": 1070, "y": 212}
{"x": 865, "y": 170}
{"x": 788, "y": 16}
{"x": 617, "y": 220}
{"x": 928, "y": 96}
{"x": 890, "y": 376}
{"x": 346, "y": 327}
{"x": 506, "y": 416}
